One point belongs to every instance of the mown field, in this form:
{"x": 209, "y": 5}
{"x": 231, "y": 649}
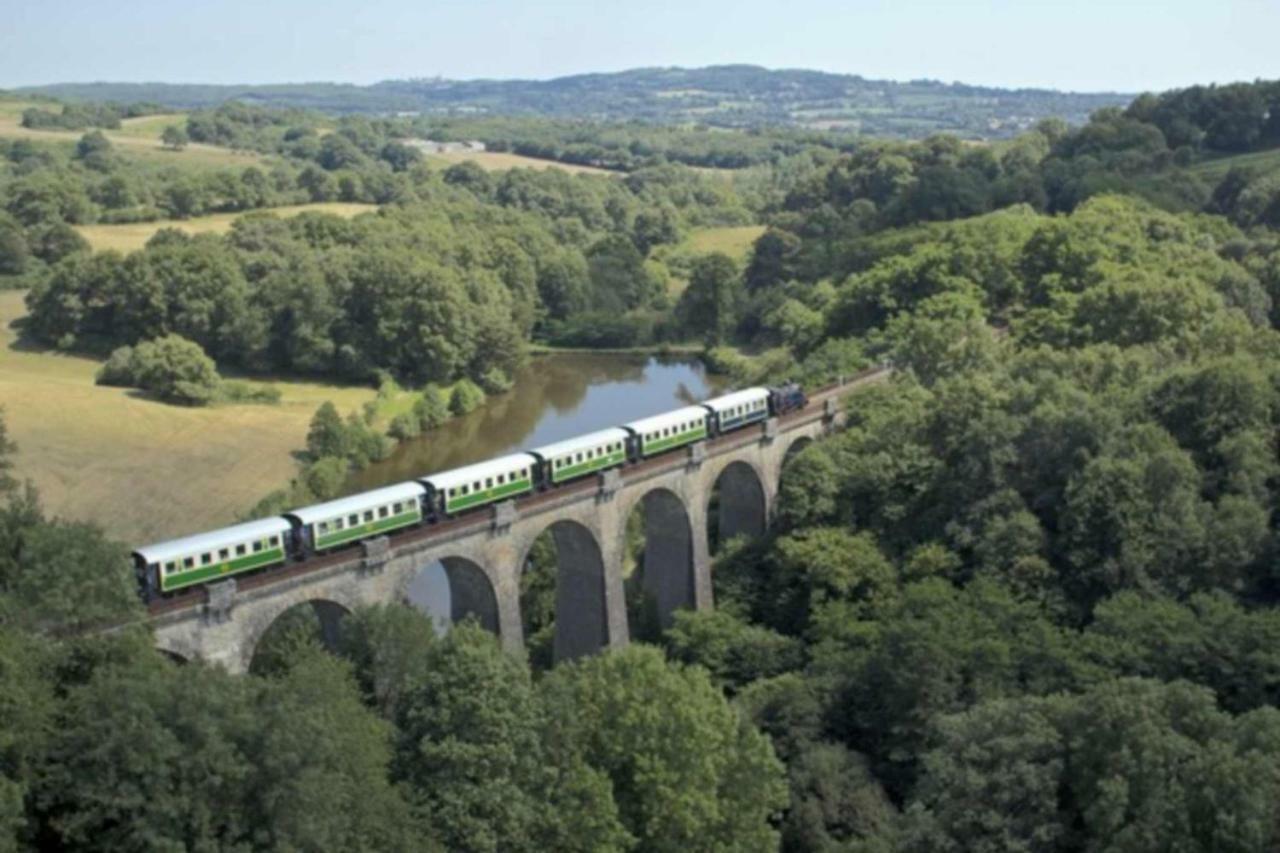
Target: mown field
{"x": 494, "y": 161}
{"x": 1217, "y": 168}
{"x": 735, "y": 242}
{"x": 134, "y": 235}
{"x": 145, "y": 470}
{"x": 139, "y": 137}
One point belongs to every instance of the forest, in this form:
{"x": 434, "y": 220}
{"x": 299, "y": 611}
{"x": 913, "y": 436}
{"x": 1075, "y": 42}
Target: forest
{"x": 1023, "y": 601}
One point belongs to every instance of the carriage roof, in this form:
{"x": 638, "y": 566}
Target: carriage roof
{"x": 656, "y": 422}
{"x": 201, "y": 542}
{"x": 570, "y": 445}
{"x": 471, "y": 473}
{"x": 737, "y": 398}
{"x": 356, "y": 503}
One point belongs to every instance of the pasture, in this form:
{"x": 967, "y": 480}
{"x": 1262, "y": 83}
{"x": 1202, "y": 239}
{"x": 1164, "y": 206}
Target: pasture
{"x": 734, "y": 241}
{"x": 131, "y": 236}
{"x": 493, "y": 161}
{"x": 1216, "y": 168}
{"x": 138, "y": 138}
{"x": 141, "y": 469}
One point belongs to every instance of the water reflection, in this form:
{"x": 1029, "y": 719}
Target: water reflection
{"x": 554, "y": 397}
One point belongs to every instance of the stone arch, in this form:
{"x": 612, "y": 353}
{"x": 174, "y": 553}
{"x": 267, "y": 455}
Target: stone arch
{"x": 667, "y": 569}
{"x": 328, "y": 611}
{"x": 581, "y": 610}
{"x": 173, "y": 657}
{"x": 740, "y": 506}
{"x": 795, "y": 447}
{"x": 470, "y": 591}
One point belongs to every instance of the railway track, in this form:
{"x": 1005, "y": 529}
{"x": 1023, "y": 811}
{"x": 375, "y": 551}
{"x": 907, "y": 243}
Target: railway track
{"x": 539, "y": 502}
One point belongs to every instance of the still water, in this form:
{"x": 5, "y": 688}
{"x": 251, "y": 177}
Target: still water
{"x": 554, "y": 397}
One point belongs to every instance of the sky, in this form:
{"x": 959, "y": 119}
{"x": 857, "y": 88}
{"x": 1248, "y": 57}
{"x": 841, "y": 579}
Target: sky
{"x": 1081, "y": 45}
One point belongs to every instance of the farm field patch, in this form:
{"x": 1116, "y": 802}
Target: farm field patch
{"x": 494, "y": 161}
{"x": 138, "y": 137}
{"x": 145, "y": 470}
{"x": 128, "y": 237}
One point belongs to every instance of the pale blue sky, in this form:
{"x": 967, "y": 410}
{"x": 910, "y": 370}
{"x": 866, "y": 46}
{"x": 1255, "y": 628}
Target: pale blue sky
{"x": 1081, "y": 45}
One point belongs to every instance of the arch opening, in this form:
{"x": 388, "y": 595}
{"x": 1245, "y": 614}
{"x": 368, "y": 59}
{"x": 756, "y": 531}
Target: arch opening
{"x": 658, "y": 569}
{"x": 562, "y": 596}
{"x": 316, "y": 623}
{"x": 794, "y": 449}
{"x": 737, "y": 505}
{"x": 451, "y": 590}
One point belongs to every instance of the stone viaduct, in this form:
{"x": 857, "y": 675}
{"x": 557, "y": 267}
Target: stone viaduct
{"x": 484, "y": 554}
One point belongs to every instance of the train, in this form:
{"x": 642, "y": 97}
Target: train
{"x": 166, "y": 568}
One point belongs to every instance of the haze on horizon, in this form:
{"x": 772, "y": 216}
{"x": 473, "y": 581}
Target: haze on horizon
{"x": 1086, "y": 45}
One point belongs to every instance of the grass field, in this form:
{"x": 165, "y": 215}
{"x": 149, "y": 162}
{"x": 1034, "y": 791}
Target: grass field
{"x": 145, "y": 470}
{"x": 735, "y": 242}
{"x": 494, "y": 161}
{"x": 139, "y": 137}
{"x": 134, "y": 235}
{"x": 1216, "y": 168}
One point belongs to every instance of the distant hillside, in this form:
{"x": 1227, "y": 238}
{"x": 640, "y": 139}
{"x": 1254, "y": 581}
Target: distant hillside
{"x": 719, "y": 96}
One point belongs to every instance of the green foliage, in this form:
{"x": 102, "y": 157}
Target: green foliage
{"x": 172, "y": 368}
{"x": 465, "y": 398}
{"x": 60, "y": 577}
{"x": 468, "y": 748}
{"x": 686, "y": 771}
{"x": 710, "y": 303}
{"x": 733, "y": 651}
{"x": 1125, "y": 763}
{"x": 430, "y": 408}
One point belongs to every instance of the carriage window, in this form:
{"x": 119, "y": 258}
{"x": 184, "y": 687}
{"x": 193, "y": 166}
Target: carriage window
{"x": 169, "y": 567}
{"x": 275, "y": 540}
{"x": 383, "y": 512}
{"x": 188, "y": 562}
{"x": 368, "y": 515}
{"x": 224, "y": 553}
{"x": 578, "y": 458}
{"x": 488, "y": 482}
{"x": 240, "y": 550}
{"x": 206, "y": 559}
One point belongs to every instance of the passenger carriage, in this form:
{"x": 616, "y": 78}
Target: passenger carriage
{"x": 663, "y": 432}
{"x": 337, "y": 523}
{"x": 466, "y": 488}
{"x": 169, "y": 566}
{"x": 575, "y": 457}
{"x": 738, "y": 409}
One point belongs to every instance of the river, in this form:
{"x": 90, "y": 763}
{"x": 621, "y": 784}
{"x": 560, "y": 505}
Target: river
{"x": 555, "y": 396}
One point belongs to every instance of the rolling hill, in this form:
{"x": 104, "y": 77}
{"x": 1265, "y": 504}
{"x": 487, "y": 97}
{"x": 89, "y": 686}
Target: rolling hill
{"x": 738, "y": 96}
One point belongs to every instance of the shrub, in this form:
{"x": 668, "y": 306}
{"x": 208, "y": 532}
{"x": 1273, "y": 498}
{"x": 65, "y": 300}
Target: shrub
{"x": 466, "y": 397}
{"x": 431, "y": 409}
{"x": 495, "y": 381}
{"x": 172, "y": 368}
{"x": 404, "y": 426}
